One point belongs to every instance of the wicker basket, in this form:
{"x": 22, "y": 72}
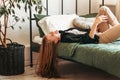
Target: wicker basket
{"x": 12, "y": 59}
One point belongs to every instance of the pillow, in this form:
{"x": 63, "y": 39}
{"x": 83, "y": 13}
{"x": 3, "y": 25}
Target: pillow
{"x": 37, "y": 18}
{"x": 83, "y": 23}
{"x": 37, "y": 39}
{"x": 56, "y": 22}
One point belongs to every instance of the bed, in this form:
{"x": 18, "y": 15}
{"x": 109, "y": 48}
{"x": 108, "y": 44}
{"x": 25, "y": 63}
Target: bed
{"x": 103, "y": 56}
{"x": 33, "y": 46}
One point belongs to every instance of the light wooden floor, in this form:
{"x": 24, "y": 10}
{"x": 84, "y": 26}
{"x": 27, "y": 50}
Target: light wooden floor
{"x": 68, "y": 71}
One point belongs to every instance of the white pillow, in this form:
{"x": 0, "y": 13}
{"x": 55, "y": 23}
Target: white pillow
{"x": 56, "y": 22}
{"x": 37, "y": 39}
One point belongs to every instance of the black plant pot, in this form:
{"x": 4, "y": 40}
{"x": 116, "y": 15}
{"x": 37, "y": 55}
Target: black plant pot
{"x": 12, "y": 59}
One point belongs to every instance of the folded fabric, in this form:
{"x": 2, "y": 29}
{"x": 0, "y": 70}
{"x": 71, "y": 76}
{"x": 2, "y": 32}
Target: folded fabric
{"x": 37, "y": 39}
{"x": 83, "y": 23}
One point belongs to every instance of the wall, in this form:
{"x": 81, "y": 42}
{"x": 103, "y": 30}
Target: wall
{"x": 69, "y": 6}
{"x": 54, "y": 7}
{"x": 83, "y": 6}
{"x": 118, "y": 10}
{"x": 109, "y": 1}
{"x": 17, "y": 34}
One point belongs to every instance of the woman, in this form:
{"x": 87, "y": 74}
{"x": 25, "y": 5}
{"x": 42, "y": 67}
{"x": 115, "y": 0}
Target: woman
{"x": 101, "y": 32}
{"x": 106, "y": 27}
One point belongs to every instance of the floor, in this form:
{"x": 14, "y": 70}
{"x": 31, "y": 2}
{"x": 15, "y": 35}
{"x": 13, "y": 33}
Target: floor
{"x": 68, "y": 71}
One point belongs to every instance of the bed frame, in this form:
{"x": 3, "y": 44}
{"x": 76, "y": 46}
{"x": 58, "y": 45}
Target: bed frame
{"x": 33, "y": 46}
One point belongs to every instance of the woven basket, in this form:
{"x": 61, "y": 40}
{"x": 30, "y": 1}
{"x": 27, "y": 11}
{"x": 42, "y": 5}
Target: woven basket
{"x": 12, "y": 59}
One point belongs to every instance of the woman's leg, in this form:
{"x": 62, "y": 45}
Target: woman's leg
{"x": 110, "y": 35}
{"x": 112, "y": 20}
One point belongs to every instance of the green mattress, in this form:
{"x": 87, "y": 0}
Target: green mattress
{"x": 103, "y": 56}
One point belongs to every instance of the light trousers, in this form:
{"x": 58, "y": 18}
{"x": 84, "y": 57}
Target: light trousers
{"x": 110, "y": 30}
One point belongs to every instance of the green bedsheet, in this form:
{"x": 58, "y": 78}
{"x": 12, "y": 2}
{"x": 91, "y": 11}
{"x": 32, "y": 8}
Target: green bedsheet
{"x": 103, "y": 56}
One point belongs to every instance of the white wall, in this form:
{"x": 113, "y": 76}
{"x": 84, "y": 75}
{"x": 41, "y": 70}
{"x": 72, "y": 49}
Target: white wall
{"x": 54, "y": 7}
{"x": 118, "y": 10}
{"x": 69, "y": 6}
{"x": 21, "y": 35}
{"x": 109, "y": 1}
{"x": 83, "y": 7}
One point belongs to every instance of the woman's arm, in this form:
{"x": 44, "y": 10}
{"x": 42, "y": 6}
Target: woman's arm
{"x": 97, "y": 21}
{"x": 93, "y": 30}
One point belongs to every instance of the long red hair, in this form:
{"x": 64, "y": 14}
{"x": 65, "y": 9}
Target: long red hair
{"x": 47, "y": 63}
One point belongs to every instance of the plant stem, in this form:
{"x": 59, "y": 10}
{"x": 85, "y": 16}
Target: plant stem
{"x": 5, "y": 30}
{"x": 0, "y": 33}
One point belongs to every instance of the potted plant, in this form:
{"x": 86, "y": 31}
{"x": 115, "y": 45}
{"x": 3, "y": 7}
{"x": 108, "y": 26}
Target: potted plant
{"x": 12, "y": 54}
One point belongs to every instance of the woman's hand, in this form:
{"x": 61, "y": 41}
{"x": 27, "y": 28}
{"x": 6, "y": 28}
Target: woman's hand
{"x": 101, "y": 19}
{"x": 97, "y": 21}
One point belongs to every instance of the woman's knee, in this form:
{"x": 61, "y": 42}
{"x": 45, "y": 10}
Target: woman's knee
{"x": 103, "y": 9}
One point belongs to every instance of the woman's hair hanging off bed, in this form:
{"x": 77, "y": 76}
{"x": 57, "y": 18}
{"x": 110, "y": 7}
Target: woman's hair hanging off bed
{"x": 47, "y": 62}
